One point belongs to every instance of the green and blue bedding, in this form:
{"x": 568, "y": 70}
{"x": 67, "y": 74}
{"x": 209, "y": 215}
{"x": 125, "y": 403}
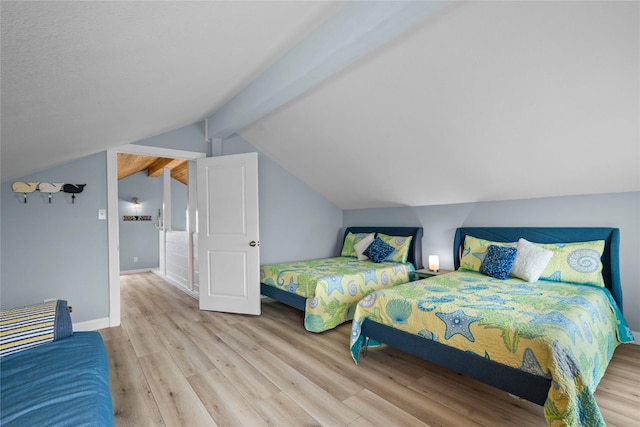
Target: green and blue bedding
{"x": 333, "y": 286}
{"x": 563, "y": 331}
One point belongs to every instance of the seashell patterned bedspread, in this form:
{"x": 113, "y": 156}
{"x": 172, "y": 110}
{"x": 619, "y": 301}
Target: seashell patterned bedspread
{"x": 562, "y": 331}
{"x": 333, "y": 286}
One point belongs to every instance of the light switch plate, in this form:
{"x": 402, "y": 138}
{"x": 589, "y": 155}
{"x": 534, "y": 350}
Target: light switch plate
{"x": 102, "y": 214}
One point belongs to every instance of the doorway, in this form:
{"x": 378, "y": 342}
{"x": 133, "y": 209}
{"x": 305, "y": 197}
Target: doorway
{"x": 113, "y": 212}
{"x": 156, "y": 222}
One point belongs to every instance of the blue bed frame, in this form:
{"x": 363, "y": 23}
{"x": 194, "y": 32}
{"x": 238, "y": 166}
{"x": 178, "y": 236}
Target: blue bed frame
{"x": 415, "y": 258}
{"x": 530, "y": 387}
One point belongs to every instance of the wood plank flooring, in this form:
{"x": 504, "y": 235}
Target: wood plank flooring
{"x": 173, "y": 365}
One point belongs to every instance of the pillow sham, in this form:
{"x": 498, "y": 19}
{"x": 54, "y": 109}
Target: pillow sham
{"x": 378, "y": 250}
{"x": 498, "y": 261}
{"x": 34, "y": 325}
{"x": 578, "y": 262}
{"x": 348, "y": 248}
{"x": 400, "y": 244}
{"x": 362, "y": 245}
{"x": 530, "y": 261}
{"x": 474, "y": 251}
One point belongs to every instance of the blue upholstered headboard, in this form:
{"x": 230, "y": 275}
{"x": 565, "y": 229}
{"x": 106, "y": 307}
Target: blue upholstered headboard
{"x": 610, "y": 256}
{"x": 415, "y": 247}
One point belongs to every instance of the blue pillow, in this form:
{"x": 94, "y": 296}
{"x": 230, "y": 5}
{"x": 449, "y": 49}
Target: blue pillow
{"x": 498, "y": 261}
{"x": 378, "y": 250}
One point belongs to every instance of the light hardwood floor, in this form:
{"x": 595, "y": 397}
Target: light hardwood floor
{"x": 174, "y": 365}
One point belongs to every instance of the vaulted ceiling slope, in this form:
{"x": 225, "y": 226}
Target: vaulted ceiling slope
{"x": 79, "y": 77}
{"x": 482, "y": 101}
{"x": 475, "y": 101}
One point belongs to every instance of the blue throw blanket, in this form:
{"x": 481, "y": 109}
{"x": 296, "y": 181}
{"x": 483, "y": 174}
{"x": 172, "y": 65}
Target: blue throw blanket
{"x": 61, "y": 383}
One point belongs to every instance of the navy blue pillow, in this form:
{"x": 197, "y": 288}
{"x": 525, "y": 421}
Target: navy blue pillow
{"x": 378, "y": 250}
{"x": 498, "y": 261}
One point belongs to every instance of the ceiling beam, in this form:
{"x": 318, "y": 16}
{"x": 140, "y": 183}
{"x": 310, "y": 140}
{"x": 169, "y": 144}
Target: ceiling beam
{"x": 357, "y": 29}
{"x": 181, "y": 173}
{"x": 156, "y": 168}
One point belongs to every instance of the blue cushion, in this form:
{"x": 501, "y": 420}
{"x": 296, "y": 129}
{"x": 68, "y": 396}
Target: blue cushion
{"x": 378, "y": 250}
{"x": 498, "y": 261}
{"x": 61, "y": 383}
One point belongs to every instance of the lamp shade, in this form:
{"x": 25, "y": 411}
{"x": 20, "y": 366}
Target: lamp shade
{"x": 434, "y": 262}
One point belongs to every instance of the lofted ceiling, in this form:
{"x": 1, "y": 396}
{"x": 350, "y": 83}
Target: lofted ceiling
{"x": 475, "y": 101}
{"x": 481, "y": 101}
{"x": 79, "y": 77}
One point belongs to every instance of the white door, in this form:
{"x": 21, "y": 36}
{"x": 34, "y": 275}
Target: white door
{"x": 228, "y": 239}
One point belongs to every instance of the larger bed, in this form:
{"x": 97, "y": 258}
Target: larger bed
{"x": 548, "y": 342}
{"x": 328, "y": 290}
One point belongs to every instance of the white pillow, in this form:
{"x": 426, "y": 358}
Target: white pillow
{"x": 530, "y": 261}
{"x": 362, "y": 246}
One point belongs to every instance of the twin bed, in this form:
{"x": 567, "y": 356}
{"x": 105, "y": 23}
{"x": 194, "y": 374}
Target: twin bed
{"x": 548, "y": 342}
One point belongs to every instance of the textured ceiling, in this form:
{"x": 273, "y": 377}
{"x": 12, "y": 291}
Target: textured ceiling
{"x": 480, "y": 101}
{"x": 483, "y": 101}
{"x": 81, "y": 76}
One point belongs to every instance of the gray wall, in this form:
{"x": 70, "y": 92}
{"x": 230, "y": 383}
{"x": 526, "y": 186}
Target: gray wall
{"x": 139, "y": 238}
{"x": 58, "y": 250}
{"x": 621, "y": 210}
{"x": 296, "y": 222}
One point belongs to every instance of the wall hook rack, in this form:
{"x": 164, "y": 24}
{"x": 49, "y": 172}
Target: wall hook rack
{"x": 29, "y": 187}
{"x": 50, "y": 188}
{"x": 25, "y": 188}
{"x": 73, "y": 189}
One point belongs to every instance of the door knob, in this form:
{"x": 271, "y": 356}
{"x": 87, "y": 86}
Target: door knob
{"x": 253, "y": 243}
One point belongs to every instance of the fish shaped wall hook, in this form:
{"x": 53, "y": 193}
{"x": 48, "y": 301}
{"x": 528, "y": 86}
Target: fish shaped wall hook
{"x": 25, "y": 188}
{"x": 73, "y": 189}
{"x": 46, "y": 187}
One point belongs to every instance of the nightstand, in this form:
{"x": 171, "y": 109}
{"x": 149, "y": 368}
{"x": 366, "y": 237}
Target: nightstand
{"x": 425, "y": 273}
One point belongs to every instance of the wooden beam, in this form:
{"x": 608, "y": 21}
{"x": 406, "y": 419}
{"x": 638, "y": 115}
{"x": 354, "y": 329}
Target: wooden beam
{"x": 181, "y": 173}
{"x": 155, "y": 169}
{"x": 129, "y": 164}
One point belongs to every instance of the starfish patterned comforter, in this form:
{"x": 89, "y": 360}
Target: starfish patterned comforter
{"x": 562, "y": 331}
{"x": 333, "y": 286}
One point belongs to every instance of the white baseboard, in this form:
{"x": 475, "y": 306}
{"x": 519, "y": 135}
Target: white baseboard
{"x": 636, "y": 335}
{"x": 142, "y": 270}
{"x": 176, "y": 284}
{"x": 91, "y": 325}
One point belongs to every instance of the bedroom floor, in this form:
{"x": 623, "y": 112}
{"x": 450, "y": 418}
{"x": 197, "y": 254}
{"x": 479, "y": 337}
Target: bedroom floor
{"x": 174, "y": 365}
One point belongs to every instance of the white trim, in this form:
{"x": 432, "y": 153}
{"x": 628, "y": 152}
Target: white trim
{"x": 147, "y": 150}
{"x": 92, "y": 325}
{"x": 113, "y": 237}
{"x": 192, "y": 209}
{"x": 140, "y": 270}
{"x": 176, "y": 284}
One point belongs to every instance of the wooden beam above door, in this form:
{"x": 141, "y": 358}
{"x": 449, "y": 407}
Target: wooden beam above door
{"x": 129, "y": 164}
{"x": 155, "y": 169}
